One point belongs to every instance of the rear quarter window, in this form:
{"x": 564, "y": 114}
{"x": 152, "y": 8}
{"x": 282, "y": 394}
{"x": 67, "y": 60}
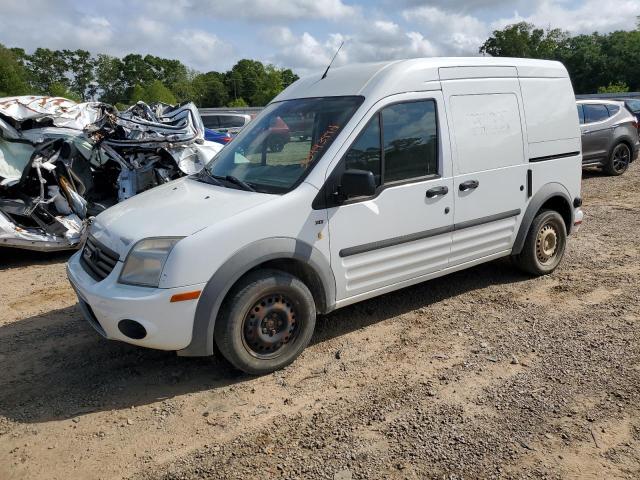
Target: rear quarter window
{"x": 613, "y": 109}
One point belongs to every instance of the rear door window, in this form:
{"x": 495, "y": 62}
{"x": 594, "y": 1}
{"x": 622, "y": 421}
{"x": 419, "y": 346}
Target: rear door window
{"x": 230, "y": 121}
{"x": 211, "y": 121}
{"x": 595, "y": 112}
{"x": 580, "y": 114}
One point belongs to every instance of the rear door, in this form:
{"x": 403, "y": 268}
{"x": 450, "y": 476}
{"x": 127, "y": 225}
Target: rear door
{"x": 596, "y": 132}
{"x": 486, "y": 123}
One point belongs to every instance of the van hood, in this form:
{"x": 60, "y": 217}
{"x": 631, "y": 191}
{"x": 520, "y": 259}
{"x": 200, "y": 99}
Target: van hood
{"x": 176, "y": 209}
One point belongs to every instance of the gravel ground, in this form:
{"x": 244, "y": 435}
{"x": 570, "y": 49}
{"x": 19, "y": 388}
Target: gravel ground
{"x": 483, "y": 374}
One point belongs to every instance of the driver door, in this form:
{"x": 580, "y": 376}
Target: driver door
{"x": 403, "y": 231}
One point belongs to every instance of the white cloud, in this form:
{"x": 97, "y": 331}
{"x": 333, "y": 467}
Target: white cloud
{"x": 300, "y": 34}
{"x": 375, "y": 41}
{"x": 587, "y": 17}
{"x": 269, "y": 10}
{"x": 455, "y": 33}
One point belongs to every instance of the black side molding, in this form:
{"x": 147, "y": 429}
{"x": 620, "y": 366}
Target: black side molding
{"x": 391, "y": 242}
{"x": 554, "y": 157}
{"x": 488, "y": 219}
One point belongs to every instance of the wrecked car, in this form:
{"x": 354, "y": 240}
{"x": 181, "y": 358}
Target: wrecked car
{"x": 63, "y": 162}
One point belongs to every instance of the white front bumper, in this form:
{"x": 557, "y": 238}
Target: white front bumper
{"x": 169, "y": 325}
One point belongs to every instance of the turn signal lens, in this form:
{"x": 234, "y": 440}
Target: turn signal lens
{"x": 181, "y": 297}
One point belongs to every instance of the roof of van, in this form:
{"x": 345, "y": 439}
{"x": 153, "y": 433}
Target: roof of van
{"x": 387, "y": 78}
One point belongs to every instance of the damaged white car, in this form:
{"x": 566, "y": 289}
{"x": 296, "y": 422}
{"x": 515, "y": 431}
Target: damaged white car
{"x": 63, "y": 162}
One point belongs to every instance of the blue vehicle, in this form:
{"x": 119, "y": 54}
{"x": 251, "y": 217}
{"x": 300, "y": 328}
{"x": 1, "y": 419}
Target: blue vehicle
{"x": 216, "y": 136}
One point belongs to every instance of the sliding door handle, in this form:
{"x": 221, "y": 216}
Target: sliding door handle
{"x": 437, "y": 192}
{"x": 469, "y": 185}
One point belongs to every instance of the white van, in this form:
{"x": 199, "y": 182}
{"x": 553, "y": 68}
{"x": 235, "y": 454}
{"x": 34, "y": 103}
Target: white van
{"x": 409, "y": 170}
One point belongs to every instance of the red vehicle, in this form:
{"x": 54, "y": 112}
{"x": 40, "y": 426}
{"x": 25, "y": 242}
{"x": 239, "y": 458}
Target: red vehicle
{"x": 279, "y": 135}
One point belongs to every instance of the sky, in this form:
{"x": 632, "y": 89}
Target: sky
{"x": 298, "y": 34}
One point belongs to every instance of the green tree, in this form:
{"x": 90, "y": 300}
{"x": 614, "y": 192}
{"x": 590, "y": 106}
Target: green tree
{"x": 620, "y": 87}
{"x": 524, "y": 40}
{"x": 81, "y": 68}
{"x": 288, "y": 77}
{"x": 209, "y": 90}
{"x": 108, "y": 74}
{"x": 238, "y": 102}
{"x": 46, "y": 67}
{"x": 60, "y": 90}
{"x": 13, "y": 77}
{"x": 154, "y": 91}
{"x": 270, "y": 85}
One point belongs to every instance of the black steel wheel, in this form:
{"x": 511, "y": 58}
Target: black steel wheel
{"x": 266, "y": 321}
{"x": 270, "y": 326}
{"x": 544, "y": 245}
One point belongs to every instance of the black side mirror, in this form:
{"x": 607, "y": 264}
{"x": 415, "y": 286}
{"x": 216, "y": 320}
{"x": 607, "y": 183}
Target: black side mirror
{"x": 357, "y": 183}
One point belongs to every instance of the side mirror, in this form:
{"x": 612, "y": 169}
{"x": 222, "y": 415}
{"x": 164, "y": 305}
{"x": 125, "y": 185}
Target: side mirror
{"x": 357, "y": 183}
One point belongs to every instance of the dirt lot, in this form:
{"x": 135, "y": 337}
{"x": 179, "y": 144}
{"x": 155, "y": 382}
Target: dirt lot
{"x": 483, "y": 374}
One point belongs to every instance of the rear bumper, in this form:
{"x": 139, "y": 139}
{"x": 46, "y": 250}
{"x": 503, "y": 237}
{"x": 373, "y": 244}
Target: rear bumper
{"x": 104, "y": 304}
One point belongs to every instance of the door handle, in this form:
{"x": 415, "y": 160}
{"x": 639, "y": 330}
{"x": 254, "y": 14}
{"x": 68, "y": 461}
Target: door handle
{"x": 469, "y": 185}
{"x": 437, "y": 192}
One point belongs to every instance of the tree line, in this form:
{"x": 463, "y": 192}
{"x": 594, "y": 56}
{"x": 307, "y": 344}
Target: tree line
{"x": 81, "y": 76}
{"x": 606, "y": 63}
{"x": 596, "y": 62}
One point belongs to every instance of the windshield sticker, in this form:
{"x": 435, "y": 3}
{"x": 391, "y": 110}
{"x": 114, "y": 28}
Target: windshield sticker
{"x": 328, "y": 135}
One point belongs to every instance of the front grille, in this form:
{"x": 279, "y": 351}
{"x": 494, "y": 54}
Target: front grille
{"x": 97, "y": 259}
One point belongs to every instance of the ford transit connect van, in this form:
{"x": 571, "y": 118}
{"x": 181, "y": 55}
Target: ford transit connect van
{"x": 410, "y": 170}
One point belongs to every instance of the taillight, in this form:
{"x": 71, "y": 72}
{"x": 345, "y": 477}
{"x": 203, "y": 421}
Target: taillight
{"x": 227, "y": 139}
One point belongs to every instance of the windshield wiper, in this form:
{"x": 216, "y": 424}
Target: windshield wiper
{"x": 206, "y": 177}
{"x": 235, "y": 181}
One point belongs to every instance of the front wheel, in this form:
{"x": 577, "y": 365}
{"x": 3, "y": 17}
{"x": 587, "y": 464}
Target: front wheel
{"x": 619, "y": 160}
{"x": 266, "y": 322}
{"x": 544, "y": 245}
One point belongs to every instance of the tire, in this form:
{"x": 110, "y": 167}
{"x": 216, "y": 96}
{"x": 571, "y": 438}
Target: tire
{"x": 276, "y": 144}
{"x": 544, "y": 245}
{"x": 619, "y": 160}
{"x": 266, "y": 321}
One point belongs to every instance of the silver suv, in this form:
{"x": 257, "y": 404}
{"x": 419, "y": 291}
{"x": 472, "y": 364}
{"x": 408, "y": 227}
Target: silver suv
{"x": 609, "y": 135}
{"x": 228, "y": 121}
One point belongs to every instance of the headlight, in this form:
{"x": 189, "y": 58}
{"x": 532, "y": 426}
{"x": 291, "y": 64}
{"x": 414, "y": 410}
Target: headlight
{"x": 144, "y": 263}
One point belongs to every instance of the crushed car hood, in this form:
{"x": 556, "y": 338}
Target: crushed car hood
{"x": 60, "y": 111}
{"x": 180, "y": 208}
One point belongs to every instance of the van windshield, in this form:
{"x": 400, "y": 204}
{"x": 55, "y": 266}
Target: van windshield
{"x": 275, "y": 151}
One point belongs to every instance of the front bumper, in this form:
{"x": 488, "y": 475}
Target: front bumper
{"x": 105, "y": 303}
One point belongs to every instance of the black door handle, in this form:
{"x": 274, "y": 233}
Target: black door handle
{"x": 437, "y": 192}
{"x": 469, "y": 185}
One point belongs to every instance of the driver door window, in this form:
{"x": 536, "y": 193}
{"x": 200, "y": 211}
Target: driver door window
{"x": 409, "y": 134}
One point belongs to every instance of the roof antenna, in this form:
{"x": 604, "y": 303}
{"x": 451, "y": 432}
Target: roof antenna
{"x": 324, "y": 75}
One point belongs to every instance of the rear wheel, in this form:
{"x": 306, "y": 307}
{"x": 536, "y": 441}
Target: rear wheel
{"x": 619, "y": 160}
{"x": 544, "y": 245}
{"x": 266, "y": 323}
